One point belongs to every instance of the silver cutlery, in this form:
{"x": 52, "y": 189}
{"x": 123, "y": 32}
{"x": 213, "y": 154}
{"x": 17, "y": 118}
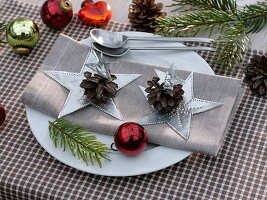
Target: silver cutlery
{"x": 116, "y": 40}
{"x": 124, "y": 50}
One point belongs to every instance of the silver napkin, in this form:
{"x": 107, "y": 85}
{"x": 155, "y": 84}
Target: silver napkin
{"x": 208, "y": 129}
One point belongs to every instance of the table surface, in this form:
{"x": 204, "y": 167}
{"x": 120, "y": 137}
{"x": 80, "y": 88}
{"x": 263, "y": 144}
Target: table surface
{"x": 120, "y": 14}
{"x": 27, "y": 171}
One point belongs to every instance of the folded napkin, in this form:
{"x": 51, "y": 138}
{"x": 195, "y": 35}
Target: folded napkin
{"x": 207, "y": 129}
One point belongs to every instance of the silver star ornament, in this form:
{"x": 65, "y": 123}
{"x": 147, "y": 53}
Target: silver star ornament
{"x": 180, "y": 118}
{"x": 76, "y": 99}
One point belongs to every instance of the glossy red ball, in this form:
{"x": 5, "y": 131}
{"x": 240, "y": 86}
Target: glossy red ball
{"x": 130, "y": 138}
{"x": 57, "y": 14}
{"x": 2, "y": 114}
{"x": 86, "y": 3}
{"x": 95, "y": 14}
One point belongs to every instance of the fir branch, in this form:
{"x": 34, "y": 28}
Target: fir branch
{"x": 222, "y": 5}
{"x": 233, "y": 44}
{"x": 190, "y": 24}
{"x": 80, "y": 142}
{"x": 232, "y": 41}
{"x": 254, "y": 16}
{"x": 232, "y": 22}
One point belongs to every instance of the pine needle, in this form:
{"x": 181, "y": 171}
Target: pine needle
{"x": 80, "y": 142}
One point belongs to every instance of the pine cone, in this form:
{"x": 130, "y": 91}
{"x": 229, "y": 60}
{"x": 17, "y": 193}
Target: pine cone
{"x": 99, "y": 89}
{"x": 162, "y": 99}
{"x": 143, "y": 13}
{"x": 256, "y": 75}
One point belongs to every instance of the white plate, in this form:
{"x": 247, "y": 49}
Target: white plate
{"x": 154, "y": 157}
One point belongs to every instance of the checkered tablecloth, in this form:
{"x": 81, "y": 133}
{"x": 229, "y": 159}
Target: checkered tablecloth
{"x": 27, "y": 171}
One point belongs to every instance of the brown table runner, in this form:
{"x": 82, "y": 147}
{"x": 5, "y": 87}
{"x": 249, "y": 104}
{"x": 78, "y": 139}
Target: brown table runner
{"x": 27, "y": 171}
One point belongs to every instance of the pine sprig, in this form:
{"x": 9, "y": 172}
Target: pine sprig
{"x": 223, "y": 5}
{"x": 232, "y": 22}
{"x": 2, "y": 29}
{"x": 81, "y": 142}
{"x": 190, "y": 24}
{"x": 254, "y": 16}
{"x": 234, "y": 42}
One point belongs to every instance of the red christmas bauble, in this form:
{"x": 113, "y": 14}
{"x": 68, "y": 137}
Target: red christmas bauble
{"x": 130, "y": 138}
{"x": 2, "y": 114}
{"x": 86, "y": 3}
{"x": 95, "y": 14}
{"x": 57, "y": 14}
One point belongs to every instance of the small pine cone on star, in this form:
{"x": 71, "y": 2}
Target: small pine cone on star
{"x": 143, "y": 14}
{"x": 256, "y": 75}
{"x": 99, "y": 89}
{"x": 164, "y": 99}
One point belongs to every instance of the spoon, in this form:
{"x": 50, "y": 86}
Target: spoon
{"x": 124, "y": 50}
{"x": 116, "y": 40}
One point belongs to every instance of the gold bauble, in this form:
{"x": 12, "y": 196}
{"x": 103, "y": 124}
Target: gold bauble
{"x": 22, "y": 34}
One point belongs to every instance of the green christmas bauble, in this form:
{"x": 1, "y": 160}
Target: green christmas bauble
{"x": 22, "y": 34}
